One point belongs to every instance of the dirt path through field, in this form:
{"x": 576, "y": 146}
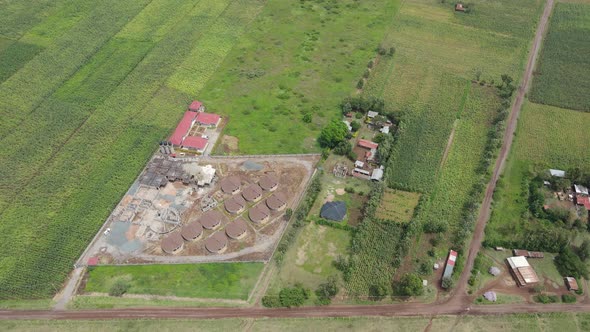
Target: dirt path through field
{"x": 448, "y": 147}
{"x": 485, "y": 210}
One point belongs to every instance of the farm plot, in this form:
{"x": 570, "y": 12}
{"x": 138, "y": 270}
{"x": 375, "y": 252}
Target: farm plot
{"x": 302, "y": 57}
{"x": 543, "y": 140}
{"x": 428, "y": 84}
{"x": 208, "y": 280}
{"x": 397, "y": 205}
{"x": 561, "y": 77}
{"x": 68, "y": 191}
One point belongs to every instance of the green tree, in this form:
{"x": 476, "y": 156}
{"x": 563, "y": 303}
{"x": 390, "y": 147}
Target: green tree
{"x": 326, "y": 291}
{"x": 411, "y": 285}
{"x": 343, "y": 148}
{"x": 293, "y": 296}
{"x": 355, "y": 125}
{"x": 569, "y": 264}
{"x": 584, "y": 250}
{"x": 447, "y": 283}
{"x": 377, "y": 292}
{"x": 332, "y": 134}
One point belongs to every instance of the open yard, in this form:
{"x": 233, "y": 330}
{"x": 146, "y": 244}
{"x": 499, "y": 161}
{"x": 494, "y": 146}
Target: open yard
{"x": 208, "y": 280}
{"x": 561, "y": 77}
{"x": 310, "y": 259}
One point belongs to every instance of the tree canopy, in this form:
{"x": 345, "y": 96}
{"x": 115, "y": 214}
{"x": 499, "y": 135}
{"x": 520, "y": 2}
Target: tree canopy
{"x": 333, "y": 133}
{"x": 411, "y": 285}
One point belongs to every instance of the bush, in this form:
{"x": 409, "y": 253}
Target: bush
{"x": 569, "y": 264}
{"x": 271, "y": 301}
{"x": 411, "y": 285}
{"x": 355, "y": 125}
{"x": 377, "y": 292}
{"x": 326, "y": 291}
{"x": 447, "y": 283}
{"x": 544, "y": 298}
{"x": 119, "y": 288}
{"x": 349, "y": 190}
{"x": 293, "y": 296}
{"x": 568, "y": 298}
{"x": 360, "y": 84}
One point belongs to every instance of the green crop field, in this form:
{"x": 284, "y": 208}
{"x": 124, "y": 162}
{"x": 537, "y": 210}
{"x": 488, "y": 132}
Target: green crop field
{"x": 88, "y": 89}
{"x": 438, "y": 51}
{"x": 397, "y": 205}
{"x": 208, "y": 280}
{"x": 561, "y": 77}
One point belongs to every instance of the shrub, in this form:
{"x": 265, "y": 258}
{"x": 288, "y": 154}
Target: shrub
{"x": 326, "y": 291}
{"x": 377, "y": 292}
{"x": 544, "y": 298}
{"x": 569, "y": 264}
{"x": 119, "y": 288}
{"x": 271, "y": 301}
{"x": 355, "y": 125}
{"x": 293, "y": 296}
{"x": 360, "y": 84}
{"x": 447, "y": 283}
{"x": 411, "y": 285}
{"x": 568, "y": 298}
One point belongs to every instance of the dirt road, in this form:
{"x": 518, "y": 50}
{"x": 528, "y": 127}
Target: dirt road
{"x": 484, "y": 214}
{"x": 409, "y": 309}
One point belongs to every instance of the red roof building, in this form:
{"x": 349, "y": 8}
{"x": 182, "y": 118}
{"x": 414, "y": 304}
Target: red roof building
{"x": 583, "y": 200}
{"x": 208, "y": 119}
{"x": 195, "y": 143}
{"x": 184, "y": 126}
{"x": 363, "y": 143}
{"x": 196, "y": 106}
{"x": 93, "y": 261}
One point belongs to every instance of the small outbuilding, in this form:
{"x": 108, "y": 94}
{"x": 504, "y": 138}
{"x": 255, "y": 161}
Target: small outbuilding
{"x": 269, "y": 182}
{"x": 377, "y": 174}
{"x": 231, "y": 185}
{"x": 211, "y": 219}
{"x": 216, "y": 243}
{"x": 522, "y": 271}
{"x": 571, "y": 283}
{"x": 490, "y": 296}
{"x": 259, "y": 214}
{"x": 557, "y": 173}
{"x": 277, "y": 201}
{"x": 192, "y": 232}
{"x": 459, "y": 7}
{"x": 252, "y": 193}
{"x": 335, "y": 211}
{"x": 236, "y": 229}
{"x": 172, "y": 243}
{"x": 196, "y": 106}
{"x": 495, "y": 271}
{"x": 236, "y": 204}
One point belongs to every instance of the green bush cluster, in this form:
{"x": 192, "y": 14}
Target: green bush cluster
{"x": 288, "y": 297}
{"x": 545, "y": 299}
{"x": 568, "y": 298}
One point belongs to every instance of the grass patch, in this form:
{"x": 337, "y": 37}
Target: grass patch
{"x": 310, "y": 260}
{"x": 209, "y": 280}
{"x": 561, "y": 77}
{"x": 397, "y": 205}
{"x": 13, "y": 57}
{"x": 501, "y": 299}
{"x": 108, "y": 302}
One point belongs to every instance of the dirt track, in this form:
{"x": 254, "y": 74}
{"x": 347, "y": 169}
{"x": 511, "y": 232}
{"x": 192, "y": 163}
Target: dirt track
{"x": 457, "y": 304}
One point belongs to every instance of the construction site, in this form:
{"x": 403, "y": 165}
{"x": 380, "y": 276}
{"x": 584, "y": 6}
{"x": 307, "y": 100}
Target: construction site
{"x": 203, "y": 209}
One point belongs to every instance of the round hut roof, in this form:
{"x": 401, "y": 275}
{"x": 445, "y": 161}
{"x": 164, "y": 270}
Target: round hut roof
{"x": 192, "y": 231}
{"x": 236, "y": 228}
{"x": 230, "y": 184}
{"x": 276, "y": 201}
{"x": 333, "y": 211}
{"x": 216, "y": 243}
{"x": 172, "y": 242}
{"x": 268, "y": 182}
{"x": 234, "y": 204}
{"x": 259, "y": 213}
{"x": 252, "y": 192}
{"x": 211, "y": 219}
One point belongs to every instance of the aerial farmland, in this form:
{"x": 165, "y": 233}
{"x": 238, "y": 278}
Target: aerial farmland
{"x": 350, "y": 158}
